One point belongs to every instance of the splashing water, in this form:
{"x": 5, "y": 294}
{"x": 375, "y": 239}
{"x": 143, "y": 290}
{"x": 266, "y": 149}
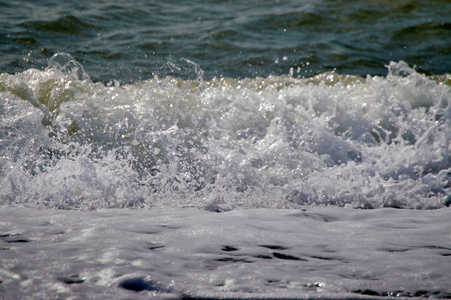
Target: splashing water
{"x": 275, "y": 142}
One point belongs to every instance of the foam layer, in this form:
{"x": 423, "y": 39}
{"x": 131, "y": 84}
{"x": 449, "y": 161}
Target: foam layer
{"x": 315, "y": 253}
{"x": 272, "y": 142}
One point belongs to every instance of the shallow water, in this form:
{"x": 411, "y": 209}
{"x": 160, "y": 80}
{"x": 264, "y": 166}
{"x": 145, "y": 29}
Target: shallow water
{"x": 314, "y": 253}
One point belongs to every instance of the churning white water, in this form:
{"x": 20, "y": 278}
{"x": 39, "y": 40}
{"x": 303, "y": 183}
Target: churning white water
{"x": 276, "y": 142}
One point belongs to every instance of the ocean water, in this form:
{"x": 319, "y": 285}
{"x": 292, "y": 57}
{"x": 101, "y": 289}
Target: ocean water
{"x": 225, "y": 149}
{"x": 132, "y": 41}
{"x": 219, "y": 105}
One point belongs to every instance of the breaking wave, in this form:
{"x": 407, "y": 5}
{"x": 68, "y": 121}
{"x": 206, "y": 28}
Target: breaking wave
{"x": 274, "y": 142}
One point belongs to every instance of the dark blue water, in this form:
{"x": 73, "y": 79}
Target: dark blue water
{"x": 133, "y": 40}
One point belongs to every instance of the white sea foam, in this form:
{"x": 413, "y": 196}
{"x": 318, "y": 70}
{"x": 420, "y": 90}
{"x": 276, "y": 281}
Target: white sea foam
{"x": 273, "y": 142}
{"x": 314, "y": 253}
